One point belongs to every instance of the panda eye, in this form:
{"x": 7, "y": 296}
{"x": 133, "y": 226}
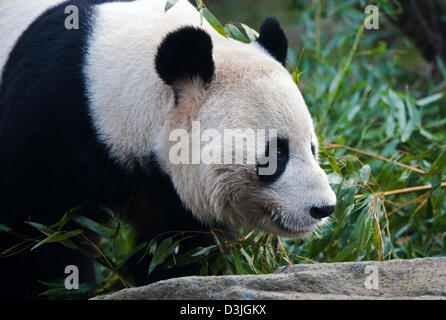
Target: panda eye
{"x": 280, "y": 154}
{"x": 281, "y": 157}
{"x": 313, "y": 149}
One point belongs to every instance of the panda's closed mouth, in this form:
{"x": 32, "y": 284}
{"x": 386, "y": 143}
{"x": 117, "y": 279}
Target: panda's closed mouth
{"x": 277, "y": 218}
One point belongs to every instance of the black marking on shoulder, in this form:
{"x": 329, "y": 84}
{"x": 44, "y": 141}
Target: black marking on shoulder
{"x": 273, "y": 39}
{"x": 184, "y": 54}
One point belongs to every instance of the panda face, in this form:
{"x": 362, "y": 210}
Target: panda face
{"x": 249, "y": 89}
{"x": 297, "y": 196}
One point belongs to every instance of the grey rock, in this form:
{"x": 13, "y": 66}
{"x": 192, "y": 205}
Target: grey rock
{"x": 396, "y": 279}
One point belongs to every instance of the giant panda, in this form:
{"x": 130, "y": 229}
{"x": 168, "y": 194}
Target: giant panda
{"x": 86, "y": 117}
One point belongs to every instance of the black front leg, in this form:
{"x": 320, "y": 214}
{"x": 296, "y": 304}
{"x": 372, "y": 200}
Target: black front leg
{"x": 157, "y": 213}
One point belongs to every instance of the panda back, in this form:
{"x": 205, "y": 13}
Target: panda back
{"x": 50, "y": 154}
{"x": 15, "y": 17}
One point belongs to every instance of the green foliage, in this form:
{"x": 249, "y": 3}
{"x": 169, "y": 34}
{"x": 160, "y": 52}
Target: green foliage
{"x": 382, "y": 128}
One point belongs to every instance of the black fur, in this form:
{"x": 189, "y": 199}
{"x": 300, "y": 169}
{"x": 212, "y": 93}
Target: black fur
{"x": 157, "y": 209}
{"x": 283, "y": 147}
{"x": 273, "y": 39}
{"x": 51, "y": 159}
{"x": 184, "y": 54}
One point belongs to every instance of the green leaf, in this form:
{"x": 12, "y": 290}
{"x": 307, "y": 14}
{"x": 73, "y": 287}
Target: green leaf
{"x": 350, "y": 167}
{"x": 252, "y": 34}
{"x": 335, "y": 82}
{"x": 58, "y": 236}
{"x": 249, "y": 32}
{"x": 196, "y": 255}
{"x": 364, "y": 173}
{"x": 58, "y": 290}
{"x": 132, "y": 253}
{"x": 202, "y": 251}
{"x": 427, "y": 134}
{"x": 398, "y": 103}
{"x": 237, "y": 262}
{"x": 157, "y": 258}
{"x": 65, "y": 219}
{"x": 296, "y": 76}
{"x": 42, "y": 228}
{"x": 48, "y": 231}
{"x": 414, "y": 119}
{"x": 438, "y": 164}
{"x": 249, "y": 259}
{"x": 421, "y": 155}
{"x": 413, "y": 111}
{"x": 441, "y": 67}
{"x": 334, "y": 166}
{"x": 94, "y": 226}
{"x": 204, "y": 268}
{"x": 213, "y": 21}
{"x": 109, "y": 211}
{"x": 169, "y": 4}
{"x": 390, "y": 125}
{"x": 345, "y": 252}
{"x": 235, "y": 33}
{"x": 151, "y": 248}
{"x": 4, "y": 228}
{"x": 437, "y": 191}
{"x": 162, "y": 252}
{"x": 429, "y": 99}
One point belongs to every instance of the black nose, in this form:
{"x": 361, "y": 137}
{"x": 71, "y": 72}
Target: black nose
{"x": 321, "y": 212}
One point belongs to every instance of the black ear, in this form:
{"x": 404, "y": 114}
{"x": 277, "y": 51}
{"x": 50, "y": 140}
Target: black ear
{"x": 184, "y": 54}
{"x": 273, "y": 39}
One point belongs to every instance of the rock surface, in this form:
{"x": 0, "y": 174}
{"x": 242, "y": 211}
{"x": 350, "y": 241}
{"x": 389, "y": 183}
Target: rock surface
{"x": 396, "y": 279}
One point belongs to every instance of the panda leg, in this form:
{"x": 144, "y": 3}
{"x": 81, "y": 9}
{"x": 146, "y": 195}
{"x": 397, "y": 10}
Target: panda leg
{"x": 158, "y": 210}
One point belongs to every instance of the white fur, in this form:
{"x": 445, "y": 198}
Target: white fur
{"x": 15, "y": 17}
{"x": 134, "y": 112}
{"x": 129, "y": 100}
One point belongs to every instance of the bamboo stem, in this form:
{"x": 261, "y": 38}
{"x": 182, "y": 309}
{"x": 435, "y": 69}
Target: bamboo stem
{"x": 404, "y": 190}
{"x": 372, "y": 155}
{"x": 106, "y": 260}
{"x": 424, "y": 195}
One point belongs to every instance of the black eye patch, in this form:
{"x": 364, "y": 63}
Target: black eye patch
{"x": 281, "y": 156}
{"x": 313, "y": 149}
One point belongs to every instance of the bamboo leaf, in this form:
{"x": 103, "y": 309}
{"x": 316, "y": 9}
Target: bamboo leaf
{"x": 439, "y": 164}
{"x": 4, "y": 228}
{"x": 213, "y": 21}
{"x": 170, "y": 4}
{"x": 94, "y": 226}
{"x": 58, "y": 236}
{"x": 429, "y": 99}
{"x": 234, "y": 33}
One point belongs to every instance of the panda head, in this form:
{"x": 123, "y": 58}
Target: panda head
{"x": 222, "y": 84}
